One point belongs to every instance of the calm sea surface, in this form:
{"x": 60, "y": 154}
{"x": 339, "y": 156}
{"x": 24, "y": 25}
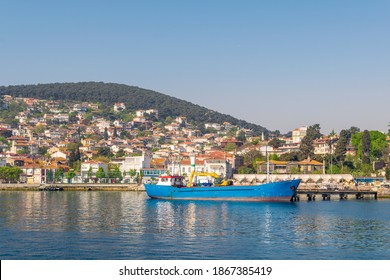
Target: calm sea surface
{"x": 128, "y": 225}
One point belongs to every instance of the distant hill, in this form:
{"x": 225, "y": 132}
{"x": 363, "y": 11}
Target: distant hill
{"x": 134, "y": 98}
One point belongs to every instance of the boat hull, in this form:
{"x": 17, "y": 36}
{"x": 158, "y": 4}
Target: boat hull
{"x": 275, "y": 191}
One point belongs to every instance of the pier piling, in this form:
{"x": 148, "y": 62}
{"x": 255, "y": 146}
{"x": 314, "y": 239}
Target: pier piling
{"x": 341, "y": 194}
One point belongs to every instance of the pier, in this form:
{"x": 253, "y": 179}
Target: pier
{"x": 323, "y": 194}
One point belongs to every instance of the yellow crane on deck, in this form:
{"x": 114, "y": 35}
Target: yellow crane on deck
{"x": 218, "y": 181}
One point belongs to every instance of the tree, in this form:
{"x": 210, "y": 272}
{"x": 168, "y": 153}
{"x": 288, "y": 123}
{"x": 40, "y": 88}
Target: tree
{"x": 341, "y": 146}
{"x": 104, "y": 152}
{"x": 230, "y": 147}
{"x": 39, "y": 129}
{"x": 241, "y": 136}
{"x": 120, "y": 153}
{"x": 306, "y": 147}
{"x": 23, "y": 151}
{"x": 132, "y": 173}
{"x": 125, "y": 135}
{"x": 100, "y": 173}
{"x": 276, "y": 143}
{"x": 353, "y": 130}
{"x": 70, "y": 175}
{"x": 378, "y": 144}
{"x": 292, "y": 156}
{"x": 10, "y": 173}
{"x": 116, "y": 173}
{"x": 75, "y": 155}
{"x": 387, "y": 173}
{"x": 42, "y": 150}
{"x": 245, "y": 170}
{"x": 49, "y": 176}
{"x": 90, "y": 173}
{"x": 251, "y": 157}
{"x": 59, "y": 174}
{"x": 314, "y": 131}
{"x": 105, "y": 135}
{"x": 273, "y": 157}
{"x": 366, "y": 147}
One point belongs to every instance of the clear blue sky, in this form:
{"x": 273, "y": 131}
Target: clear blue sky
{"x": 279, "y": 64}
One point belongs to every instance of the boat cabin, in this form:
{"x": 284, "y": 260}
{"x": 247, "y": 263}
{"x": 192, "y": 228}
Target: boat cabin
{"x": 171, "y": 180}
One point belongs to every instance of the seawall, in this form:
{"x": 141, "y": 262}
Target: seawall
{"x": 72, "y": 187}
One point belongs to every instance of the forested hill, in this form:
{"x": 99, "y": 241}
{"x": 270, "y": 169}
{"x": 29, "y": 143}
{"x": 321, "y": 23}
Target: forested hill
{"x": 133, "y": 97}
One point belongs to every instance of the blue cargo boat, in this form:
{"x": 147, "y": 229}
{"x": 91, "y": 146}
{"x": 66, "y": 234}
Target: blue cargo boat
{"x": 173, "y": 187}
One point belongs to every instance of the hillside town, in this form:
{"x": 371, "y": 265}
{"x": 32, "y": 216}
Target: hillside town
{"x": 47, "y": 141}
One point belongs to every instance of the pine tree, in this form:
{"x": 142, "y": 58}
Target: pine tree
{"x": 341, "y": 147}
{"x": 366, "y": 146}
{"x": 314, "y": 131}
{"x": 306, "y": 147}
{"x": 105, "y": 134}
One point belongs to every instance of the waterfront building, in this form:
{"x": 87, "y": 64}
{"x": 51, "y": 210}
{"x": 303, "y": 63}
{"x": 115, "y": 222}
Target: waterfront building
{"x": 309, "y": 166}
{"x": 153, "y": 172}
{"x": 277, "y": 167}
{"x": 135, "y": 163}
{"x": 89, "y": 169}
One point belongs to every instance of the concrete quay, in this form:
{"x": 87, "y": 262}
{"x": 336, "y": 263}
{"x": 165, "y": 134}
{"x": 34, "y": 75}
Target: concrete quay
{"x": 71, "y": 187}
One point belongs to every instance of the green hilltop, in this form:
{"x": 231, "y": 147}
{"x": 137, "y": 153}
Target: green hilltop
{"x": 133, "y": 97}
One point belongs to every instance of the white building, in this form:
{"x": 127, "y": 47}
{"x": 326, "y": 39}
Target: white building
{"x": 298, "y": 134}
{"x": 89, "y": 169}
{"x": 119, "y": 107}
{"x": 215, "y": 126}
{"x": 136, "y": 163}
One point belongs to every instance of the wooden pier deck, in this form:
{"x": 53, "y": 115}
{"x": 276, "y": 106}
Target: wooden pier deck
{"x": 324, "y": 194}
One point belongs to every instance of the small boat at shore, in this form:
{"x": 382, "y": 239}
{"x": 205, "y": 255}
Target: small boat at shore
{"x": 172, "y": 187}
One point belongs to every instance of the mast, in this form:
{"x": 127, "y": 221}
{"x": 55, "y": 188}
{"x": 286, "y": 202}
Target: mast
{"x": 267, "y": 155}
{"x": 179, "y": 163}
{"x": 192, "y": 160}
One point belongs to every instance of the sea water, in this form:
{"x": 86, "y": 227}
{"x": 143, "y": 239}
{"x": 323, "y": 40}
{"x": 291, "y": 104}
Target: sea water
{"x": 129, "y": 225}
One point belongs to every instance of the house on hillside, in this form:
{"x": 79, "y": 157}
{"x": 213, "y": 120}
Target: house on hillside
{"x": 298, "y": 134}
{"x": 119, "y": 107}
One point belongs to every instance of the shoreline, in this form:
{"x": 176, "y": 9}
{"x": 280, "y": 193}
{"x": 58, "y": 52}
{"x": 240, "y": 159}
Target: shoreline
{"x": 71, "y": 187}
